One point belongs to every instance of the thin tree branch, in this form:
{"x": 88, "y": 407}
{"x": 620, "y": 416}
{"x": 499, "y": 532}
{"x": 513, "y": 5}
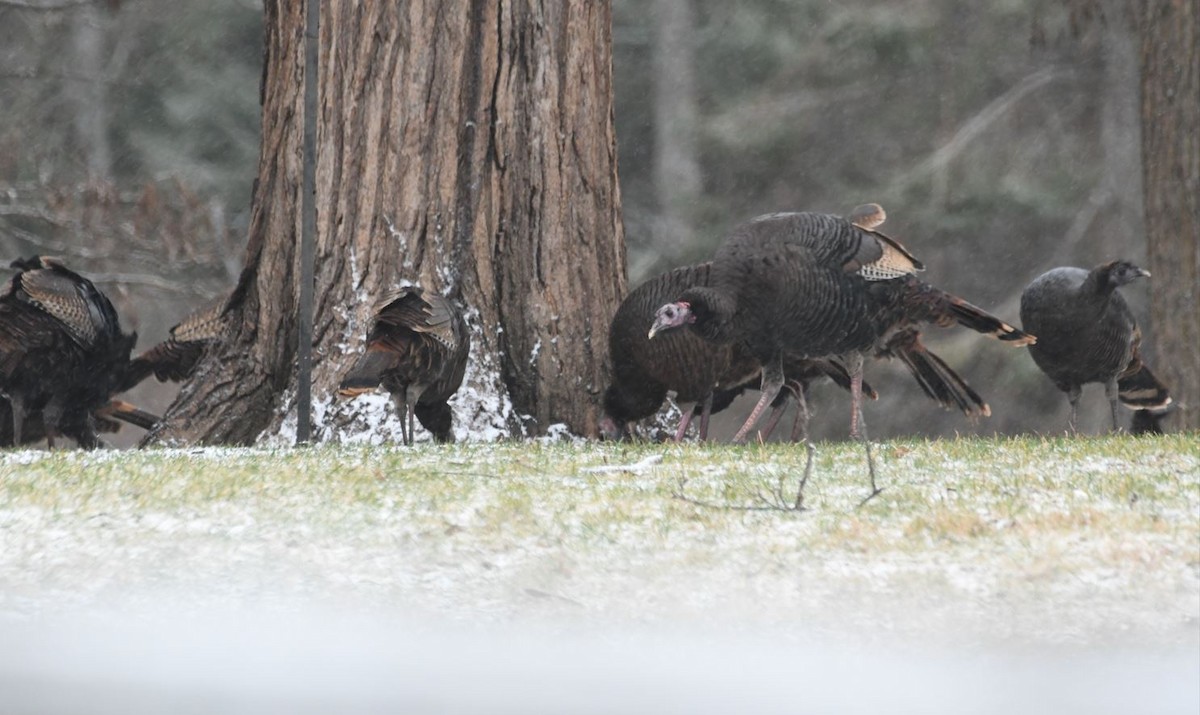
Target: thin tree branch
{"x": 44, "y": 6}
{"x": 970, "y": 130}
{"x": 30, "y": 74}
{"x": 145, "y": 279}
{"x": 1100, "y": 197}
{"x": 22, "y": 211}
{"x": 779, "y": 503}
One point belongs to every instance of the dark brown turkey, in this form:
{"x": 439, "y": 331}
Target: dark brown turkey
{"x": 817, "y": 285}
{"x": 417, "y": 350}
{"x": 1087, "y": 333}
{"x": 62, "y": 352}
{"x": 645, "y": 370}
{"x": 74, "y": 423}
{"x": 814, "y": 286}
{"x": 697, "y": 371}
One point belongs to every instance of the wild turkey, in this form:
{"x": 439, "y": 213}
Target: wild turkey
{"x": 175, "y": 358}
{"x": 417, "y": 350}
{"x": 74, "y": 423}
{"x": 645, "y": 370}
{"x": 1086, "y": 333}
{"x": 62, "y": 352}
{"x": 816, "y": 285}
{"x": 699, "y": 372}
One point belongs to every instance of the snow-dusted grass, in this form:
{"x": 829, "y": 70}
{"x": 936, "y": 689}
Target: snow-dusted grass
{"x": 1024, "y": 540}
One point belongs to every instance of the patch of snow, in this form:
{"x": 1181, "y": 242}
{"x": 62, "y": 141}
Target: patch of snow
{"x": 371, "y": 419}
{"x": 400, "y": 237}
{"x": 355, "y": 274}
{"x": 482, "y": 409}
{"x": 559, "y": 432}
{"x": 24, "y": 456}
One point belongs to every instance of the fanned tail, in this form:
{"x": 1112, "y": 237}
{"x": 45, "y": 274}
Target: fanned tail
{"x": 1139, "y": 389}
{"x": 937, "y": 379}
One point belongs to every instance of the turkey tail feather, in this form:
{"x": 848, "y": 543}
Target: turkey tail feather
{"x": 937, "y": 379}
{"x": 366, "y": 373}
{"x": 120, "y": 410}
{"x": 1141, "y": 390}
{"x": 981, "y": 321}
{"x": 139, "y": 369}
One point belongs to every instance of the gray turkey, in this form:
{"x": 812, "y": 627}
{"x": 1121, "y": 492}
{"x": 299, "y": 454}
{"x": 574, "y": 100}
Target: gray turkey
{"x": 417, "y": 350}
{"x": 699, "y": 372}
{"x": 1086, "y": 333}
{"x": 817, "y": 285}
{"x": 175, "y": 358}
{"x": 62, "y": 352}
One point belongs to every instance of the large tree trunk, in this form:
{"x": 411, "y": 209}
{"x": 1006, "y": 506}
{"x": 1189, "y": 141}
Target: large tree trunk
{"x": 1170, "y": 50}
{"x": 466, "y": 146}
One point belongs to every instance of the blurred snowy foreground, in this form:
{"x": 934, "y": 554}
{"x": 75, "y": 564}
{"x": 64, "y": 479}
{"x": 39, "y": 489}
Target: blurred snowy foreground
{"x": 989, "y": 577}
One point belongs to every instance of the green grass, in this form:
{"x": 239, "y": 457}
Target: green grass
{"x": 942, "y": 490}
{"x": 1080, "y": 531}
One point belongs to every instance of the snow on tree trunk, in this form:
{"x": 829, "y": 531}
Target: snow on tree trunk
{"x": 465, "y": 146}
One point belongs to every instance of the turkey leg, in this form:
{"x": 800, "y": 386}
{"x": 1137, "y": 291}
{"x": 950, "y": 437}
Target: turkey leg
{"x": 858, "y": 425}
{"x": 772, "y": 383}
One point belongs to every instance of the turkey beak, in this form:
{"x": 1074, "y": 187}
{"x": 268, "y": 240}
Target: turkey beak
{"x": 1143, "y": 273}
{"x": 655, "y": 327}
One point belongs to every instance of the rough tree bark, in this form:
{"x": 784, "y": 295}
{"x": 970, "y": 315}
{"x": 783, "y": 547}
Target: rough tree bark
{"x": 1170, "y": 81}
{"x": 464, "y": 145}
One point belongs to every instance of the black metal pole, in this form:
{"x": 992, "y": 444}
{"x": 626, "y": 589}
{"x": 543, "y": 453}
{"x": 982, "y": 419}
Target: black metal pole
{"x": 308, "y": 227}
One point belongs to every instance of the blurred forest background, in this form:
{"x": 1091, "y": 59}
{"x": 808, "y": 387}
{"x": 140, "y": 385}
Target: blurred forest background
{"x": 1002, "y": 138}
